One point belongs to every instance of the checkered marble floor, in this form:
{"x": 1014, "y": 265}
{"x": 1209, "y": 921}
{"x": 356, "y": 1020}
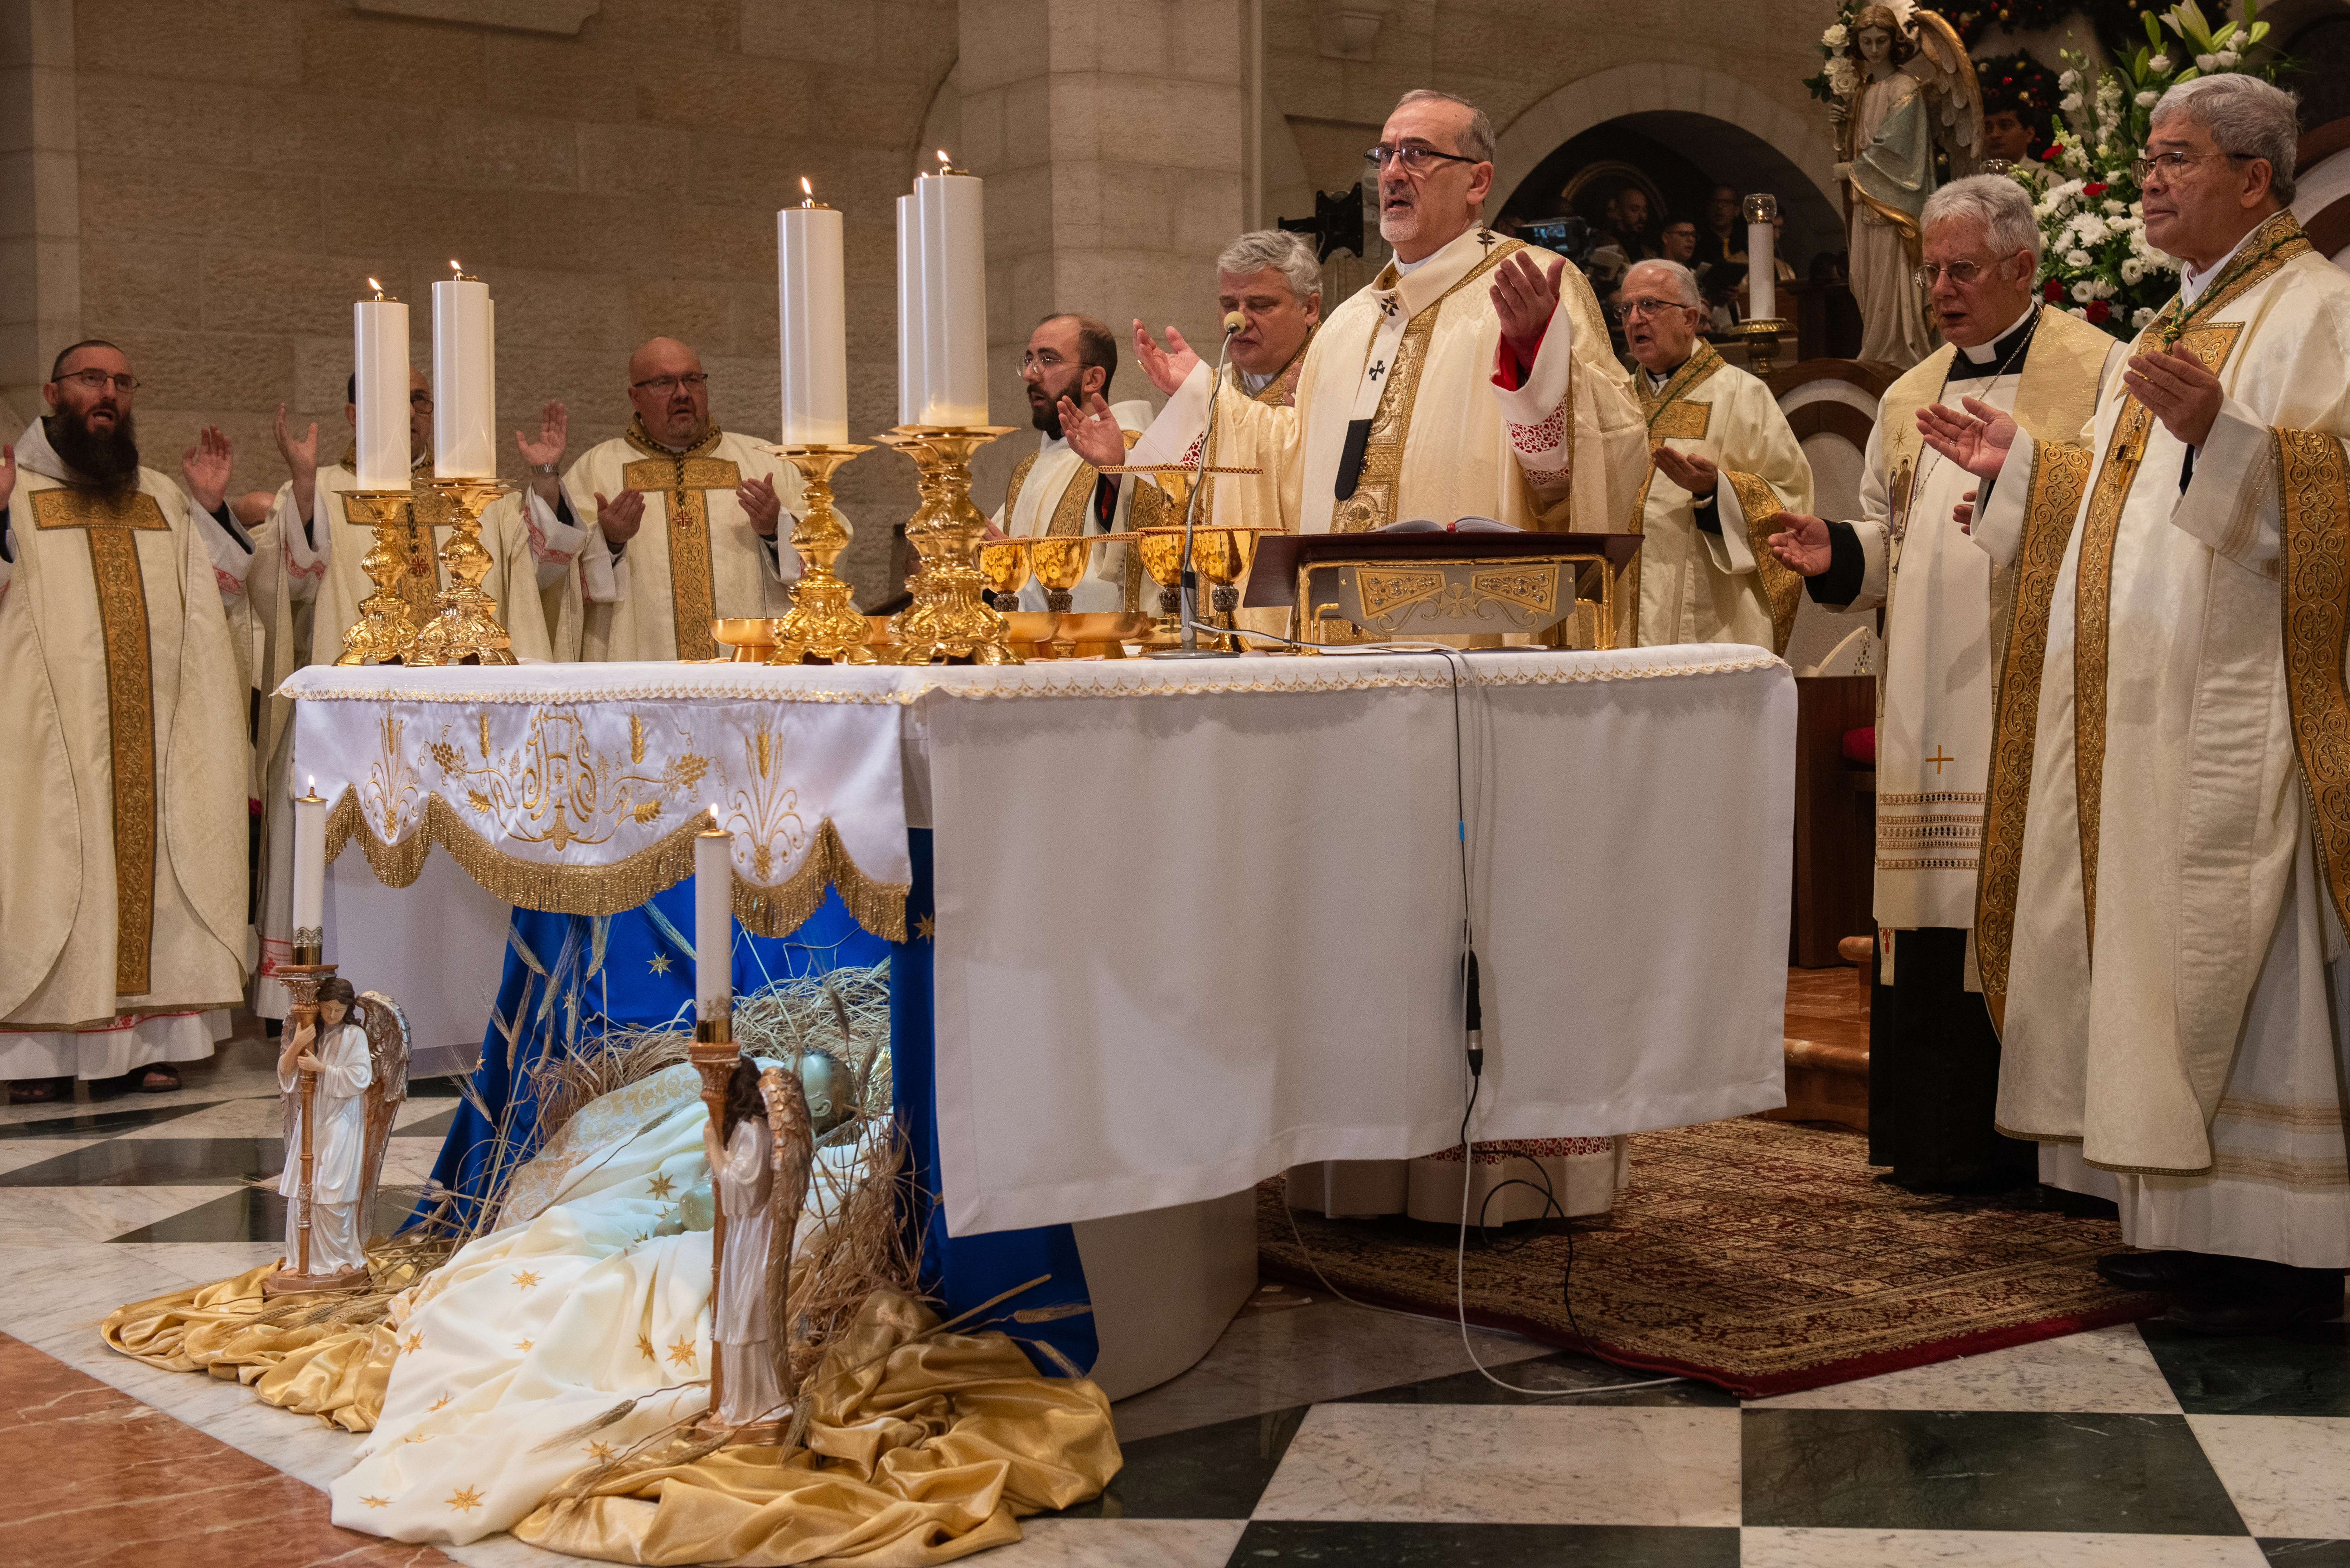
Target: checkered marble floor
{"x": 1320, "y": 1433}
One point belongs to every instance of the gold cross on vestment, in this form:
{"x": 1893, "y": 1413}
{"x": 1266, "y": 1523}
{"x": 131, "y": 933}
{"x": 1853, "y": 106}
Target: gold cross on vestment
{"x": 1937, "y": 759}
{"x": 691, "y": 596}
{"x": 109, "y": 520}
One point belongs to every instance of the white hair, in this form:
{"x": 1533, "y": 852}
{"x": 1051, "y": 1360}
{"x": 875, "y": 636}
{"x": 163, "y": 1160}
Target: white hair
{"x": 2246, "y": 116}
{"x": 1994, "y": 202}
{"x": 1684, "y": 280}
{"x": 1477, "y": 139}
{"x": 1261, "y": 248}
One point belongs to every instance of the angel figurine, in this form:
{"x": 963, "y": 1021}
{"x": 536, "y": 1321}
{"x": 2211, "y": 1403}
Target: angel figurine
{"x": 1914, "y": 89}
{"x": 355, "y": 1054}
{"x": 759, "y": 1160}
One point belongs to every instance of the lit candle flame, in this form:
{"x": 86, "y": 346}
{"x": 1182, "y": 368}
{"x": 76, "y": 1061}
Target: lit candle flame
{"x": 713, "y": 819}
{"x": 942, "y": 157}
{"x": 806, "y": 189}
{"x": 455, "y": 268}
{"x": 314, "y": 784}
{"x": 375, "y": 285}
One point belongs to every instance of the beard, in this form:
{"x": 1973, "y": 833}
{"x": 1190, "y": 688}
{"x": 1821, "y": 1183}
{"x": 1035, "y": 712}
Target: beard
{"x": 1047, "y": 417}
{"x": 109, "y": 462}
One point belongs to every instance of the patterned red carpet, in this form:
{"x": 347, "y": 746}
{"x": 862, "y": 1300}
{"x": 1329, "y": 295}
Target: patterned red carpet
{"x": 1764, "y": 1257}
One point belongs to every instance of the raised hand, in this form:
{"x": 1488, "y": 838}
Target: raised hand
{"x": 1168, "y": 367}
{"x": 1976, "y": 440}
{"x": 1093, "y": 434}
{"x": 620, "y": 516}
{"x": 554, "y": 434}
{"x": 1524, "y": 295}
{"x": 2177, "y": 390}
{"x": 1804, "y": 548}
{"x": 205, "y": 466}
{"x": 301, "y": 460}
{"x": 757, "y": 497}
{"x": 1686, "y": 468}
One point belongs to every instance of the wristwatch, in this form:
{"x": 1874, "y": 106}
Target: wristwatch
{"x": 546, "y": 468}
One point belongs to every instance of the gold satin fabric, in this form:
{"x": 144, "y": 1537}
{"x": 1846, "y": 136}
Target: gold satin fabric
{"x": 920, "y": 1450}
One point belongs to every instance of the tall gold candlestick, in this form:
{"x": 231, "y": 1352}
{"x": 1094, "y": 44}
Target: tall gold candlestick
{"x": 385, "y": 628}
{"x": 823, "y": 627}
{"x": 949, "y": 620}
{"x": 464, "y": 628}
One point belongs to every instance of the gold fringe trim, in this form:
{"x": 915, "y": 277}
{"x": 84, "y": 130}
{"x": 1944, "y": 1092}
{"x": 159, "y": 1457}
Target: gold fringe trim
{"x": 2051, "y": 501}
{"x": 879, "y": 907}
{"x": 1783, "y": 589}
{"x": 2314, "y": 508}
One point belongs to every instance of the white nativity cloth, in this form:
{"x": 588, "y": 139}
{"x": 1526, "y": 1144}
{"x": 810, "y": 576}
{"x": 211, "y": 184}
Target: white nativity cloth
{"x": 58, "y": 893}
{"x": 1059, "y": 484}
{"x": 337, "y": 1153}
{"x": 630, "y": 612}
{"x": 744, "y": 1179}
{"x": 1563, "y": 452}
{"x": 2207, "y": 1035}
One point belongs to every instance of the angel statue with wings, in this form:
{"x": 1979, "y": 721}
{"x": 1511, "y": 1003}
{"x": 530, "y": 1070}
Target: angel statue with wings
{"x": 344, "y": 1077}
{"x": 760, "y": 1155}
{"x": 1904, "y": 88}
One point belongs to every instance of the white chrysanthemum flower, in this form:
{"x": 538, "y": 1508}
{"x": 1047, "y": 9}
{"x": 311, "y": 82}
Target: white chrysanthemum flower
{"x": 2159, "y": 65}
{"x": 2207, "y": 62}
{"x": 2114, "y": 210}
{"x": 2141, "y": 317}
{"x": 2227, "y": 58}
{"x": 2068, "y": 80}
{"x": 2069, "y": 102}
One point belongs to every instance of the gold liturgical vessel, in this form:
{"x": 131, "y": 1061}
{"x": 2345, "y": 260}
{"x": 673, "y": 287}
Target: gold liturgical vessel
{"x": 948, "y": 619}
{"x": 823, "y": 627}
{"x": 460, "y": 627}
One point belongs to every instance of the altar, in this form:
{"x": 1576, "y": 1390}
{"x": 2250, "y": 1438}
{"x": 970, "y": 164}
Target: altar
{"x": 1182, "y": 925}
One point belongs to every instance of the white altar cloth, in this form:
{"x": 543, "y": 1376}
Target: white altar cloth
{"x": 1199, "y": 921}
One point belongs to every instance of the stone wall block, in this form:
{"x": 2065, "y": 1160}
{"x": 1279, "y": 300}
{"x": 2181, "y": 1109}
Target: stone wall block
{"x": 565, "y": 78}
{"x": 713, "y": 24}
{"x": 722, "y": 92}
{"x": 408, "y": 223}
{"x": 632, "y": 160}
{"x": 221, "y": 370}
{"x": 146, "y": 287}
{"x": 219, "y": 41}
{"x": 262, "y": 289}
{"x": 701, "y": 313}
{"x": 386, "y": 58}
{"x": 167, "y": 119}
{"x": 121, "y": 199}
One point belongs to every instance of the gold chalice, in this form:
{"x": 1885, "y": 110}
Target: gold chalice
{"x": 1003, "y": 563}
{"x": 1059, "y": 563}
{"x": 1222, "y": 556}
{"x": 1162, "y": 557}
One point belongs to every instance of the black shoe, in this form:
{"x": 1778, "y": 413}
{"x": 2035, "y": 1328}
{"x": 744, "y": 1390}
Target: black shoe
{"x": 2256, "y": 1297}
{"x": 2165, "y": 1271}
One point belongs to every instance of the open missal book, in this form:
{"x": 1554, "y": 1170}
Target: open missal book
{"x": 1458, "y": 525}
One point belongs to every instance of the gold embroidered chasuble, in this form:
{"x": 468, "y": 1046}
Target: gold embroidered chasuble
{"x": 122, "y": 865}
{"x": 2161, "y": 875}
{"x": 694, "y": 557}
{"x": 1691, "y": 586}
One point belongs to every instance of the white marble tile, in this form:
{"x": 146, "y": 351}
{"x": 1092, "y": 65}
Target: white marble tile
{"x": 253, "y": 1116}
{"x": 2104, "y": 1371}
{"x": 2290, "y": 1475}
{"x": 1989, "y": 1549}
{"x": 30, "y": 1216}
{"x": 1120, "y": 1544}
{"x": 1510, "y": 1464}
{"x": 16, "y": 1153}
{"x": 1297, "y": 1355}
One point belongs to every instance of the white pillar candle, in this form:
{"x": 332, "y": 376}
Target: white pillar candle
{"x": 812, "y": 315}
{"x": 464, "y": 379}
{"x": 912, "y": 351}
{"x": 954, "y": 298}
{"x": 1761, "y": 268}
{"x": 380, "y": 366}
{"x": 310, "y": 858}
{"x": 714, "y": 921}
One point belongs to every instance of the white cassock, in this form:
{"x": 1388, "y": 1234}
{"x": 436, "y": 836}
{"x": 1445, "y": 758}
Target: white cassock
{"x": 696, "y": 556}
{"x": 338, "y": 1152}
{"x": 1053, "y": 493}
{"x": 744, "y": 1179}
{"x": 1717, "y": 584}
{"x": 2167, "y": 801}
{"x": 122, "y": 860}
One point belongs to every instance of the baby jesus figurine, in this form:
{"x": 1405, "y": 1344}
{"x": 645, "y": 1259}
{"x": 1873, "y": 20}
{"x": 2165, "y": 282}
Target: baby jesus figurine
{"x": 337, "y": 1051}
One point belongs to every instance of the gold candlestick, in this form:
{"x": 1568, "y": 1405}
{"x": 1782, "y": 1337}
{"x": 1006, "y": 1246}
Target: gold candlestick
{"x": 823, "y": 627}
{"x": 385, "y": 628}
{"x": 948, "y": 619}
{"x": 464, "y": 627}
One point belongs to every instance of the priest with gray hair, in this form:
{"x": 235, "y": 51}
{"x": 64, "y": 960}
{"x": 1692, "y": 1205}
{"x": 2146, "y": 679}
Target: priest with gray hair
{"x": 1725, "y": 465}
{"x": 1934, "y": 1053}
{"x": 2166, "y": 847}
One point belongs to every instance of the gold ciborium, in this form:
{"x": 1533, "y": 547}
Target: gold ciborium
{"x": 823, "y": 627}
{"x": 385, "y": 628}
{"x": 464, "y": 626}
{"x": 747, "y": 639}
{"x": 946, "y": 620}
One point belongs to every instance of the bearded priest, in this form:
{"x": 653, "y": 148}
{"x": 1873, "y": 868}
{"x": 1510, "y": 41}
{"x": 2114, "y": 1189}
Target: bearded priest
{"x": 1934, "y": 1054}
{"x": 1467, "y": 380}
{"x": 2166, "y": 850}
{"x": 689, "y": 522}
{"x": 1726, "y": 465}
{"x": 1055, "y": 492}
{"x": 122, "y": 865}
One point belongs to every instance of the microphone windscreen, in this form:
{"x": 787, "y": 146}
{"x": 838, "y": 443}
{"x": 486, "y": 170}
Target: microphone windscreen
{"x": 1232, "y": 323}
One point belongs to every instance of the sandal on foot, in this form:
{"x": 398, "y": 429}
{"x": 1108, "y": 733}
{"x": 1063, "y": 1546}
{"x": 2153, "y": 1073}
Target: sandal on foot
{"x": 39, "y": 1091}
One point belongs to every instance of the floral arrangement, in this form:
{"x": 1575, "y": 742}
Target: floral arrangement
{"x": 2019, "y": 82}
{"x": 2097, "y": 264}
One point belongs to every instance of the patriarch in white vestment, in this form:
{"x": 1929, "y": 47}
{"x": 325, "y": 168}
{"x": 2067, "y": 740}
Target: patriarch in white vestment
{"x": 1726, "y": 464}
{"x": 688, "y": 522}
{"x": 1467, "y": 380}
{"x": 1934, "y": 1064}
{"x": 122, "y": 858}
{"x": 336, "y": 1049}
{"x": 2167, "y": 857}
{"x": 1056, "y": 493}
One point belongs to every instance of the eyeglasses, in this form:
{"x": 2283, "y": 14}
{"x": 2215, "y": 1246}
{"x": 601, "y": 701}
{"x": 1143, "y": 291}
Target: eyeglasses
{"x": 665, "y": 384}
{"x": 1413, "y": 161}
{"x": 2172, "y": 165}
{"x": 1960, "y": 273}
{"x": 1633, "y": 308}
{"x": 1040, "y": 362}
{"x": 420, "y": 399}
{"x": 98, "y": 380}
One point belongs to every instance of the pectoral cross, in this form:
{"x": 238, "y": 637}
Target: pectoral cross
{"x": 1937, "y": 759}
{"x": 110, "y": 520}
{"x": 1488, "y": 238}
{"x": 1387, "y": 306}
{"x": 1376, "y": 370}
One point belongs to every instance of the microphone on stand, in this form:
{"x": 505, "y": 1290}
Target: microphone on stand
{"x": 1190, "y": 590}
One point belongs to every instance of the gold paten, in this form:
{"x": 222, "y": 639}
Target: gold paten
{"x": 823, "y": 627}
{"x": 385, "y": 628}
{"x": 464, "y": 626}
{"x": 748, "y": 639}
{"x": 946, "y": 620}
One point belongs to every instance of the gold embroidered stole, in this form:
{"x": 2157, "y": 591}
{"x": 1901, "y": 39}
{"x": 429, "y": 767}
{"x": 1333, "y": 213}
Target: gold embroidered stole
{"x": 2314, "y": 507}
{"x": 2276, "y": 241}
{"x": 109, "y": 521}
{"x": 1372, "y": 505}
{"x": 685, "y": 475}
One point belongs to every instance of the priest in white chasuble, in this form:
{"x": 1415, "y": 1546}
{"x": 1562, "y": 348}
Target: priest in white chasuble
{"x": 688, "y": 522}
{"x": 1468, "y": 380}
{"x": 1726, "y": 465}
{"x": 1273, "y": 281}
{"x": 1934, "y": 1055}
{"x": 2167, "y": 859}
{"x": 1056, "y": 493}
{"x": 122, "y": 857}
{"x": 532, "y": 540}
